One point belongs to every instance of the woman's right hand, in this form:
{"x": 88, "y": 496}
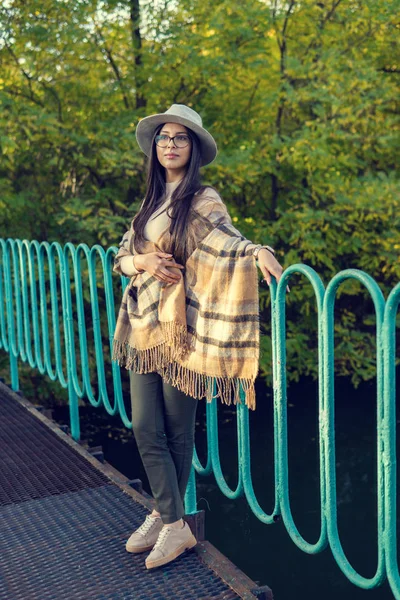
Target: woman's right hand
{"x": 157, "y": 263}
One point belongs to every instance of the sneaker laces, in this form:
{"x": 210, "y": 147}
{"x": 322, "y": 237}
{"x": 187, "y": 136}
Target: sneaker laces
{"x": 162, "y": 537}
{"x": 147, "y": 525}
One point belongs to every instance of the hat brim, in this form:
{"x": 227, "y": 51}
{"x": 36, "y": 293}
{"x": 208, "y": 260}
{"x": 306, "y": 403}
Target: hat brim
{"x": 145, "y": 131}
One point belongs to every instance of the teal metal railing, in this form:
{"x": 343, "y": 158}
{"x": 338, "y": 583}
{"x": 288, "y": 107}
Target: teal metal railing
{"x": 25, "y": 267}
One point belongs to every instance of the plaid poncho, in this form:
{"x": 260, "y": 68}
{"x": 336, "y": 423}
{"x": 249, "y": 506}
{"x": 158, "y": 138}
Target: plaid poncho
{"x": 204, "y": 327}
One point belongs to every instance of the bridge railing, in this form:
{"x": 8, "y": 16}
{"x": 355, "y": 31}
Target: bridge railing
{"x": 28, "y": 269}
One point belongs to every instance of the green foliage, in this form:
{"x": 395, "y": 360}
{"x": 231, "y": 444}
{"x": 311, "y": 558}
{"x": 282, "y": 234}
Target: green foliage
{"x": 301, "y": 100}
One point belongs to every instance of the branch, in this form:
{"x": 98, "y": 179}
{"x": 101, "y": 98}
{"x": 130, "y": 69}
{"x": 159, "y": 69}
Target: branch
{"x": 104, "y": 49}
{"x": 28, "y": 77}
{"x": 99, "y": 180}
{"x": 322, "y": 24}
{"x": 330, "y": 13}
{"x": 253, "y": 93}
{"x": 31, "y": 78}
{"x": 56, "y": 96}
{"x": 282, "y": 45}
{"x": 137, "y": 49}
{"x": 19, "y": 93}
{"x": 179, "y": 90}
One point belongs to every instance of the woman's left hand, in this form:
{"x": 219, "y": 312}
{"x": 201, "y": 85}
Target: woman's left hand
{"x": 269, "y": 266}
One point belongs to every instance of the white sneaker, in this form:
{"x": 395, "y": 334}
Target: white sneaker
{"x": 170, "y": 544}
{"x": 145, "y": 536}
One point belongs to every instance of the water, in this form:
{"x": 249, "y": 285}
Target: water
{"x": 265, "y": 552}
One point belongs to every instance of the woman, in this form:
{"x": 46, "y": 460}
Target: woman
{"x": 188, "y": 317}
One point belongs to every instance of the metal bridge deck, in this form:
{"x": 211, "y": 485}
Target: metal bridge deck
{"x": 64, "y": 524}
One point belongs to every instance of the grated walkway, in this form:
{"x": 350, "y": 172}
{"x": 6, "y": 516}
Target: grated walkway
{"x": 64, "y": 524}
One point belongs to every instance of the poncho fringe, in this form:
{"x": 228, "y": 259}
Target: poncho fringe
{"x": 198, "y": 385}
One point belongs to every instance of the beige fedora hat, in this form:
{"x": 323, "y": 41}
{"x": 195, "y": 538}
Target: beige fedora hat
{"x": 177, "y": 113}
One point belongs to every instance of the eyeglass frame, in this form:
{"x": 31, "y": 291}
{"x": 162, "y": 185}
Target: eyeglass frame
{"x": 171, "y": 139}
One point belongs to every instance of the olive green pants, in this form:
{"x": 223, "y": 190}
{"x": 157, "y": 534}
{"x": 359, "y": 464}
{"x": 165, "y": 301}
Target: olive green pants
{"x": 163, "y": 423}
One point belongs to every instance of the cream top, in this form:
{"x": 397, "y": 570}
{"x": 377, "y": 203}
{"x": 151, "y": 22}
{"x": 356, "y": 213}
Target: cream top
{"x": 159, "y": 220}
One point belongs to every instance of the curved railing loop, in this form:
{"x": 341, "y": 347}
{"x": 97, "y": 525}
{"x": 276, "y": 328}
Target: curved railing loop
{"x": 389, "y": 439}
{"x": 329, "y": 430}
{"x": 212, "y": 423}
{"x": 245, "y": 467}
{"x": 108, "y": 261}
{"x": 207, "y": 470}
{"x": 278, "y": 300}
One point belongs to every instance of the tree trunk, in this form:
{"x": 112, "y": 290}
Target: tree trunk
{"x": 137, "y": 49}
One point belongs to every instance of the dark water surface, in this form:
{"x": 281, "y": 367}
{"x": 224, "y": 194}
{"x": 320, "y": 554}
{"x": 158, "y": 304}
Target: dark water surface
{"x": 265, "y": 552}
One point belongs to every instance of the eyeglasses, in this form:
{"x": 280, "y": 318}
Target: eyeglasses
{"x": 180, "y": 141}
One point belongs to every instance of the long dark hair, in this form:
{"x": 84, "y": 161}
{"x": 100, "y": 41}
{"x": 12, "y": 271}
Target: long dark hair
{"x": 181, "y": 198}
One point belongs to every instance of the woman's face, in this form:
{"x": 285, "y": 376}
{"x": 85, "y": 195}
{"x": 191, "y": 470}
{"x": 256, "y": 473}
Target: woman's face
{"x": 179, "y": 157}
